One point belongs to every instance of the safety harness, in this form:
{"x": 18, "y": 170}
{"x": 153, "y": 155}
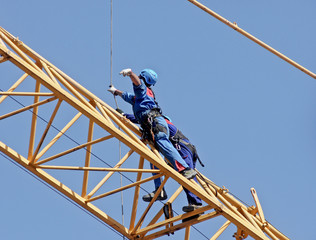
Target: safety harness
{"x": 180, "y": 138}
{"x": 150, "y": 127}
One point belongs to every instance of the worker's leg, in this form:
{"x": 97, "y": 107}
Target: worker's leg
{"x": 165, "y": 146}
{"x": 157, "y": 181}
{"x": 162, "y": 195}
{"x": 192, "y": 198}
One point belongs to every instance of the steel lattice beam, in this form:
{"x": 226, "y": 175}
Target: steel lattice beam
{"x": 44, "y": 155}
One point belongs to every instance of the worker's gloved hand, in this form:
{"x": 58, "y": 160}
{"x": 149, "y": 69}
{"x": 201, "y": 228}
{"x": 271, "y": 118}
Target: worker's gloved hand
{"x": 126, "y": 72}
{"x": 112, "y": 90}
{"x": 120, "y": 111}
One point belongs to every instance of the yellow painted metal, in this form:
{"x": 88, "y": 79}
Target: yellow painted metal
{"x": 49, "y": 72}
{"x": 252, "y": 38}
{"x": 171, "y": 200}
{"x": 271, "y": 235}
{"x": 62, "y": 188}
{"x": 260, "y": 211}
{"x": 72, "y": 90}
{"x": 100, "y": 169}
{"x": 136, "y": 195}
{"x": 187, "y": 233}
{"x": 183, "y": 225}
{"x": 27, "y": 108}
{"x": 177, "y": 218}
{"x": 116, "y": 167}
{"x": 46, "y": 130}
{"x": 34, "y": 121}
{"x": 25, "y": 94}
{"x": 250, "y": 218}
{"x": 87, "y": 108}
{"x": 125, "y": 187}
{"x": 141, "y": 220}
{"x": 87, "y": 160}
{"x": 55, "y": 139}
{"x": 223, "y": 195}
{"x": 15, "y": 85}
{"x": 19, "y": 51}
{"x": 73, "y": 149}
{"x": 104, "y": 113}
{"x": 221, "y": 230}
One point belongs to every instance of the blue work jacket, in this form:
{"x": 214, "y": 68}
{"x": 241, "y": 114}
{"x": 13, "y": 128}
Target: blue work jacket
{"x": 142, "y": 100}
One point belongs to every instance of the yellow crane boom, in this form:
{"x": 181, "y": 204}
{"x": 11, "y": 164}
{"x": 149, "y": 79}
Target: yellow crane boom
{"x": 54, "y": 91}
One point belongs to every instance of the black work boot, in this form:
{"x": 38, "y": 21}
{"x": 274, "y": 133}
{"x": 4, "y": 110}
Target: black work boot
{"x": 191, "y": 207}
{"x": 150, "y": 196}
{"x": 188, "y": 173}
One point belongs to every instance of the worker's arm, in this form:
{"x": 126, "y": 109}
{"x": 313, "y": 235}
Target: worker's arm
{"x": 131, "y": 117}
{"x": 119, "y": 92}
{"x": 115, "y": 91}
{"x": 128, "y": 72}
{"x": 127, "y": 97}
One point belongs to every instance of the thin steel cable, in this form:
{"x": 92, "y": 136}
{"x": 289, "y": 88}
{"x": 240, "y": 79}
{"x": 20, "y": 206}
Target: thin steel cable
{"x": 111, "y": 84}
{"x": 111, "y": 43}
{"x": 111, "y": 52}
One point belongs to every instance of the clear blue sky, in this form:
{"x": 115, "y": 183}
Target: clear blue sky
{"x": 250, "y": 114}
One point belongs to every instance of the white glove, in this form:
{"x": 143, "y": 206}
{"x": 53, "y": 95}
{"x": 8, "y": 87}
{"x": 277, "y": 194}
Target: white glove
{"x": 112, "y": 89}
{"x": 126, "y": 72}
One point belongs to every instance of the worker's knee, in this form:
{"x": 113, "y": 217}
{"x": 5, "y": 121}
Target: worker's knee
{"x": 159, "y": 128}
{"x": 161, "y": 137}
{"x": 159, "y": 125}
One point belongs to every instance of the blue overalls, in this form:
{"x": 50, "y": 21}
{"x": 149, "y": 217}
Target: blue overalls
{"x": 188, "y": 157}
{"x": 184, "y": 152}
{"x": 143, "y": 101}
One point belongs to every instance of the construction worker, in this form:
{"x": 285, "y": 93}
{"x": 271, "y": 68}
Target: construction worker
{"x": 188, "y": 153}
{"x": 148, "y": 114}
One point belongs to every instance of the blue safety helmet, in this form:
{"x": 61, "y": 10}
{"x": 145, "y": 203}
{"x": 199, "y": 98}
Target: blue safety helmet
{"x": 149, "y": 76}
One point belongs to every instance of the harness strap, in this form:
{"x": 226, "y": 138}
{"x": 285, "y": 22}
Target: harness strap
{"x": 147, "y": 125}
{"x": 179, "y": 138}
{"x": 198, "y": 158}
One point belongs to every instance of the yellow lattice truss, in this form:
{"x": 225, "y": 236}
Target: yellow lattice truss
{"x": 66, "y": 103}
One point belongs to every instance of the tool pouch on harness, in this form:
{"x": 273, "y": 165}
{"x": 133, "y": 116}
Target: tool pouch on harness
{"x": 179, "y": 138}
